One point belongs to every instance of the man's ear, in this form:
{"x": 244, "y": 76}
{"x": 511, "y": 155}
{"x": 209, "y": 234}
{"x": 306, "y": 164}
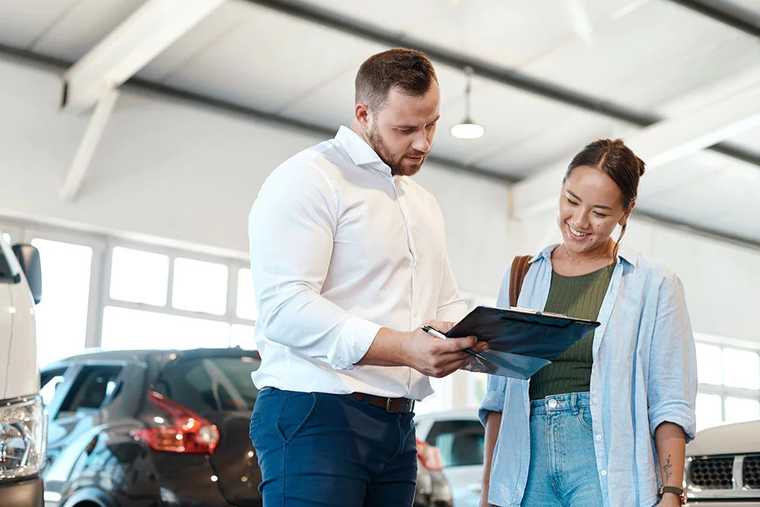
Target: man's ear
{"x": 361, "y": 112}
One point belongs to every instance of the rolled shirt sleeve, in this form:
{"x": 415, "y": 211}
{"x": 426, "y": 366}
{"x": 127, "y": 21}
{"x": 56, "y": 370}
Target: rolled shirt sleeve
{"x": 672, "y": 381}
{"x": 291, "y": 229}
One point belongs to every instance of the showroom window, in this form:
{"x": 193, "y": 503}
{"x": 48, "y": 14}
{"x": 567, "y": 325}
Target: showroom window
{"x": 62, "y": 313}
{"x": 125, "y": 328}
{"x": 199, "y": 286}
{"x": 138, "y": 276}
{"x": 176, "y": 299}
{"x": 100, "y": 291}
{"x": 246, "y": 303}
{"x": 729, "y": 383}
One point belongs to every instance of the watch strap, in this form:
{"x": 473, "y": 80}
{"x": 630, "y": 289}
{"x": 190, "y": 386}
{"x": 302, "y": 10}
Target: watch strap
{"x": 673, "y": 489}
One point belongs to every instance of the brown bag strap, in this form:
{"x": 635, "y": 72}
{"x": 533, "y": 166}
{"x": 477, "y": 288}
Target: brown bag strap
{"x": 520, "y": 267}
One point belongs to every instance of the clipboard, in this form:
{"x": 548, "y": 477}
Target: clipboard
{"x": 521, "y": 341}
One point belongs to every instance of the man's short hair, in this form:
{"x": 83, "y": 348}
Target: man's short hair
{"x": 406, "y": 69}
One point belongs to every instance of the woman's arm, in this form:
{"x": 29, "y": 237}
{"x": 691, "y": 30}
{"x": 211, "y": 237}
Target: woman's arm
{"x": 670, "y": 441}
{"x": 493, "y": 423}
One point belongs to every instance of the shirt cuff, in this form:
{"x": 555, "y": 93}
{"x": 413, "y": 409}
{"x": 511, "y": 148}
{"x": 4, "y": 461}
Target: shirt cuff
{"x": 494, "y": 398}
{"x": 353, "y": 342}
{"x": 675, "y": 412}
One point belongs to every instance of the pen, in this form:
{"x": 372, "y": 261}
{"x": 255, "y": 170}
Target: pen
{"x": 434, "y": 332}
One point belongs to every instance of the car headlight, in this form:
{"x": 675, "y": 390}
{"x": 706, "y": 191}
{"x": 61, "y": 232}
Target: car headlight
{"x": 22, "y": 437}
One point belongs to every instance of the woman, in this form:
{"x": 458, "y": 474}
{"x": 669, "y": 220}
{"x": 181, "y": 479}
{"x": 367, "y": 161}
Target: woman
{"x": 607, "y": 422}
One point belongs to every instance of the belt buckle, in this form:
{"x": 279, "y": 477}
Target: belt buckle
{"x": 388, "y": 402}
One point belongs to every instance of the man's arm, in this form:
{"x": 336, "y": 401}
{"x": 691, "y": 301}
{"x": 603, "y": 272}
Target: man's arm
{"x": 291, "y": 227}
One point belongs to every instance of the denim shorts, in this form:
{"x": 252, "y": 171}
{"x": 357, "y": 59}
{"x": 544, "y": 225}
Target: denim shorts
{"x": 563, "y": 469}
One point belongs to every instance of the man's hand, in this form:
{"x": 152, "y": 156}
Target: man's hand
{"x": 436, "y": 357}
{"x": 427, "y": 354}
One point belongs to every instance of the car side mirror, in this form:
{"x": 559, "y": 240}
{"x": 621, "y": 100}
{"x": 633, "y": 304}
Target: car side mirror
{"x": 29, "y": 259}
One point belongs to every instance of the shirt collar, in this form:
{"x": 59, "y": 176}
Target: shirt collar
{"x": 360, "y": 152}
{"x": 625, "y": 254}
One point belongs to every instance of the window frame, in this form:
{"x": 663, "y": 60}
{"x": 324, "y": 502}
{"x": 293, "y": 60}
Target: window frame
{"x": 102, "y": 245}
{"x": 724, "y": 391}
{"x": 233, "y": 264}
{"x": 97, "y": 244}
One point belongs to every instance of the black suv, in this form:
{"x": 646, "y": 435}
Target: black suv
{"x": 147, "y": 428}
{"x": 155, "y": 427}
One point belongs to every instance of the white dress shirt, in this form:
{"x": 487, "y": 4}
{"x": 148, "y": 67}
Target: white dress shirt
{"x": 339, "y": 248}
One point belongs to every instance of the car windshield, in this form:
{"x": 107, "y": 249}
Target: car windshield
{"x": 211, "y": 384}
{"x": 460, "y": 442}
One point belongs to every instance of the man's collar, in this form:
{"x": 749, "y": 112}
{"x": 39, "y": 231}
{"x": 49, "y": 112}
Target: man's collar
{"x": 624, "y": 254}
{"x": 360, "y": 152}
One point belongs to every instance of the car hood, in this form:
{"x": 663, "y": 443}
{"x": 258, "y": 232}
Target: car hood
{"x": 741, "y": 438}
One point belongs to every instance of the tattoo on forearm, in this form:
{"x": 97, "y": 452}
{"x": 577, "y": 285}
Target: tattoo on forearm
{"x": 667, "y": 470}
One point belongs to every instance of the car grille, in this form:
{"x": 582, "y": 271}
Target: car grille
{"x": 712, "y": 473}
{"x": 751, "y": 472}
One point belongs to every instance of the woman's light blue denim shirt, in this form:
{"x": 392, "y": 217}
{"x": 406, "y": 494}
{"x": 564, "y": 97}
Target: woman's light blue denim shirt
{"x": 644, "y": 374}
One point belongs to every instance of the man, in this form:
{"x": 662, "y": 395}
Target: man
{"x": 349, "y": 259}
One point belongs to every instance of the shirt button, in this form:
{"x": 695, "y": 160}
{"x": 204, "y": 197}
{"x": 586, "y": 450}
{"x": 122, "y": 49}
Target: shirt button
{"x": 598, "y": 438}
{"x": 603, "y": 473}
{"x": 552, "y": 403}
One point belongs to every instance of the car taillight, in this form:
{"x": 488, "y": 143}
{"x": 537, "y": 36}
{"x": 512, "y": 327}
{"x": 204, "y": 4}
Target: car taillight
{"x": 183, "y": 432}
{"x": 22, "y": 437}
{"x": 429, "y": 456}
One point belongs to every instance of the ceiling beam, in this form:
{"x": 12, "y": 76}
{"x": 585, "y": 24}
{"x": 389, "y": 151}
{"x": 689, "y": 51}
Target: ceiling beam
{"x": 153, "y": 27}
{"x": 726, "y": 13}
{"x": 657, "y": 145}
{"x": 95, "y": 128}
{"x": 482, "y": 68}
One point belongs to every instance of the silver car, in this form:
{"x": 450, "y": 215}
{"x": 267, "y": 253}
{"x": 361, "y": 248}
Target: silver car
{"x": 459, "y": 436}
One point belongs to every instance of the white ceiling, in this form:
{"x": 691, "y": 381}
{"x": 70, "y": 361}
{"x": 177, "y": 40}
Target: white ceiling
{"x": 643, "y": 54}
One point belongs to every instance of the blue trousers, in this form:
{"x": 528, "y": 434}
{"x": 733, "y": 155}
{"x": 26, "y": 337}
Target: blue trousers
{"x": 317, "y": 449}
{"x": 563, "y": 471}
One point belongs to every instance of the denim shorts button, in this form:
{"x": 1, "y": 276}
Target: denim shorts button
{"x": 552, "y": 403}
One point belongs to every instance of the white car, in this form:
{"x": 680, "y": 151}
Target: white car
{"x": 723, "y": 466}
{"x": 22, "y": 424}
{"x": 459, "y": 436}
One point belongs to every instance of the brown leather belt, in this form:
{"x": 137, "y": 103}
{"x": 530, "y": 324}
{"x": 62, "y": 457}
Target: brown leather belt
{"x": 392, "y": 405}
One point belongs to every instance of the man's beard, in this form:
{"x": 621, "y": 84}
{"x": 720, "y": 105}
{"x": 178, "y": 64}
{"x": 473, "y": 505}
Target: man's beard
{"x": 377, "y": 144}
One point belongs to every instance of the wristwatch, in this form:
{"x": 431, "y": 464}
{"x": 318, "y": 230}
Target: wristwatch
{"x": 675, "y": 490}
